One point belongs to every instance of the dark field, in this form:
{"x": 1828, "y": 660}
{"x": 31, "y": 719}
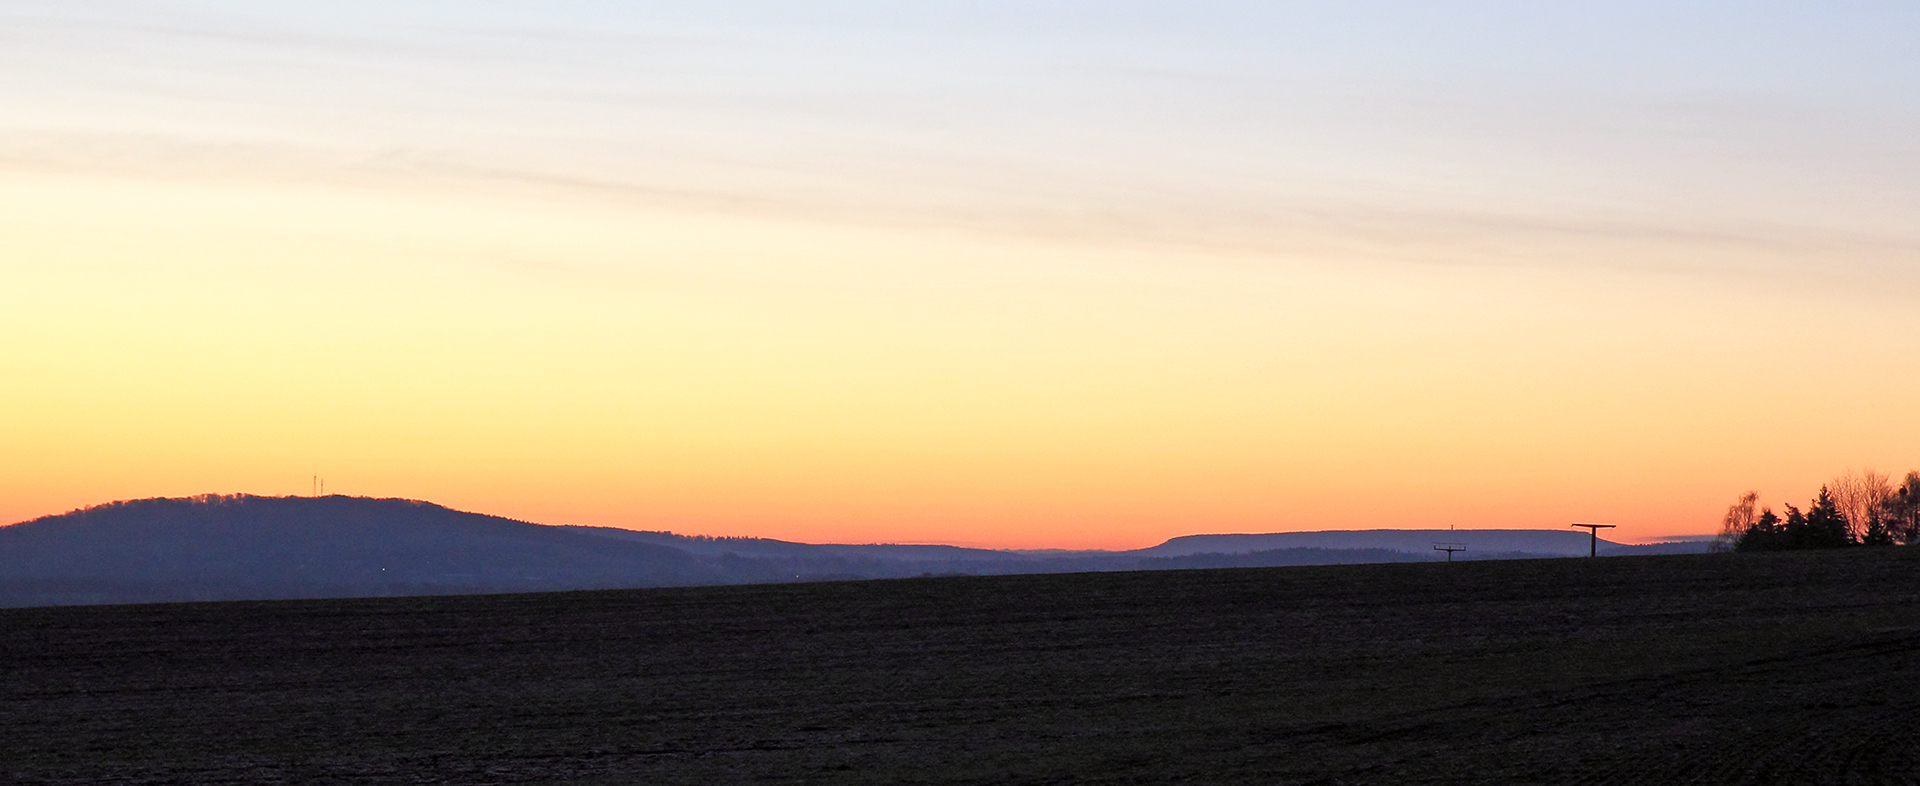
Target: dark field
{"x": 1786, "y": 668}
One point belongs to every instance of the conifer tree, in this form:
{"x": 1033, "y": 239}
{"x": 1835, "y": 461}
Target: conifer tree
{"x": 1877, "y": 533}
{"x": 1886, "y": 517}
{"x": 1793, "y": 530}
{"x": 1826, "y": 527}
{"x": 1764, "y": 535}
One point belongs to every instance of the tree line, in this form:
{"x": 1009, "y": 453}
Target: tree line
{"x": 1856, "y": 509}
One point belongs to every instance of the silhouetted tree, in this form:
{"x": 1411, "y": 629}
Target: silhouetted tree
{"x": 1902, "y": 510}
{"x": 1764, "y": 535}
{"x": 1821, "y": 527}
{"x": 1740, "y": 518}
{"x": 1861, "y": 498}
{"x": 1856, "y": 509}
{"x": 1877, "y": 533}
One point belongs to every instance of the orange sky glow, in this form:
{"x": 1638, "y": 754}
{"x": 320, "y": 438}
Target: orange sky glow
{"x": 940, "y": 301}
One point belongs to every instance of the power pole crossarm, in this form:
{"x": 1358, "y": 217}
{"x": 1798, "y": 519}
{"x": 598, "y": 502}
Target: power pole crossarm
{"x": 1593, "y": 545}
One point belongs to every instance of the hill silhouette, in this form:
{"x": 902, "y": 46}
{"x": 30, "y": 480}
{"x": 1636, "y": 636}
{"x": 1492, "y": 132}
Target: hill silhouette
{"x": 232, "y": 547}
{"x": 214, "y": 547}
{"x": 1507, "y": 543}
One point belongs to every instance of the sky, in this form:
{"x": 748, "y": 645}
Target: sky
{"x": 1064, "y": 274}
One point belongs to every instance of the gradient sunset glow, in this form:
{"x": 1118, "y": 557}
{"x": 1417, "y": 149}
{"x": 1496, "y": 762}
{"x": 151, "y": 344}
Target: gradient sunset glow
{"x": 1034, "y": 275}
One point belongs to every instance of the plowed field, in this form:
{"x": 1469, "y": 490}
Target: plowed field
{"x": 1710, "y": 669}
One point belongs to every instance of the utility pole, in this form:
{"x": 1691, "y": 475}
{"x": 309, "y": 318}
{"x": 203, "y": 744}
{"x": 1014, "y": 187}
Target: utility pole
{"x": 1449, "y": 548}
{"x": 1593, "y": 546}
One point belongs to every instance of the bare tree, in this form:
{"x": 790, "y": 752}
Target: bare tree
{"x": 1740, "y": 518}
{"x": 1903, "y": 511}
{"x": 1862, "y": 498}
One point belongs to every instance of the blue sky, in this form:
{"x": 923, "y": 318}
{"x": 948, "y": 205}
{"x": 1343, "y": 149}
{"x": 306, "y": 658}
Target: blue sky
{"x": 1036, "y": 274}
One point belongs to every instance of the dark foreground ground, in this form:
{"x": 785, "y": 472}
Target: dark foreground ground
{"x": 1795, "y": 668}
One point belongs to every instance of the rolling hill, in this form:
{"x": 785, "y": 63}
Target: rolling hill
{"x": 214, "y": 547}
{"x": 219, "y": 548}
{"x": 1502, "y": 542}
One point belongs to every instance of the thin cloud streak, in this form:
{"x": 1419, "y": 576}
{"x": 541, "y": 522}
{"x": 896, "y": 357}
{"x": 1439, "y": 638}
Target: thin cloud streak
{"x": 993, "y": 272}
{"x": 1253, "y": 225}
{"x": 1077, "y": 136}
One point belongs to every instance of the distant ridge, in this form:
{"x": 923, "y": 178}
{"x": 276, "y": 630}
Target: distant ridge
{"x": 214, "y": 547}
{"x": 1492, "y": 541}
{"x": 767, "y": 547}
